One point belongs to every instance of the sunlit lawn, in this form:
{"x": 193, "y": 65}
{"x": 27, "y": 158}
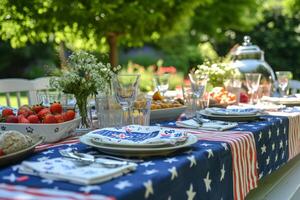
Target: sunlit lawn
{"x": 13, "y": 101}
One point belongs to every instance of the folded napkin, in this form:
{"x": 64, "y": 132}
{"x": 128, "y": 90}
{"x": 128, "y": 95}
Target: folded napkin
{"x": 138, "y": 135}
{"x": 68, "y": 170}
{"x": 233, "y": 111}
{"x": 213, "y": 125}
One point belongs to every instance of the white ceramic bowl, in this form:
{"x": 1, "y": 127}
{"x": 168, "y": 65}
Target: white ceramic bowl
{"x": 51, "y": 132}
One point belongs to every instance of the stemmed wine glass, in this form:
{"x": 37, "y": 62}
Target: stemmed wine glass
{"x": 198, "y": 86}
{"x": 283, "y": 78}
{"x": 252, "y": 81}
{"x": 162, "y": 83}
{"x": 125, "y": 90}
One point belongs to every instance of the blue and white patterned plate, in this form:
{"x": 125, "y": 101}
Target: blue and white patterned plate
{"x": 232, "y": 111}
{"x": 138, "y": 136}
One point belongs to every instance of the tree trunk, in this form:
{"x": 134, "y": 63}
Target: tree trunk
{"x": 112, "y": 39}
{"x": 62, "y": 57}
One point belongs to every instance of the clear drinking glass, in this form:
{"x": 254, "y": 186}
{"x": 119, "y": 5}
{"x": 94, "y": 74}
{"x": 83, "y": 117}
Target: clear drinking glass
{"x": 198, "y": 86}
{"x": 252, "y": 81}
{"x": 283, "y": 78}
{"x": 162, "y": 83}
{"x": 125, "y": 89}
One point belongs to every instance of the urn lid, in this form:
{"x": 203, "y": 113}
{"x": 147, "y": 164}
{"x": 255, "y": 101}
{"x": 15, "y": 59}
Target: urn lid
{"x": 247, "y": 50}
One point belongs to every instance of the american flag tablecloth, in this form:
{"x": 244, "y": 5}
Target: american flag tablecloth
{"x": 217, "y": 167}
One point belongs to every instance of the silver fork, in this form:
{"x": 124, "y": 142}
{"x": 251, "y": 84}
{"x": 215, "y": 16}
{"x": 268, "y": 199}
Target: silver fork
{"x": 87, "y": 159}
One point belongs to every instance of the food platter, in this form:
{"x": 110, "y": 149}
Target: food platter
{"x": 139, "y": 151}
{"x": 20, "y": 155}
{"x": 166, "y": 114}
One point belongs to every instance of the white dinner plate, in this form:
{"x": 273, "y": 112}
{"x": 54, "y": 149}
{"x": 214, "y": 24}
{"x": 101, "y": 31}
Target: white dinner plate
{"x": 232, "y": 118}
{"x": 138, "y": 152}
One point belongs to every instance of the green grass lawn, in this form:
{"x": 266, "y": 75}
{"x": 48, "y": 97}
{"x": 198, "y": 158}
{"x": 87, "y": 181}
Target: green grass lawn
{"x": 13, "y": 100}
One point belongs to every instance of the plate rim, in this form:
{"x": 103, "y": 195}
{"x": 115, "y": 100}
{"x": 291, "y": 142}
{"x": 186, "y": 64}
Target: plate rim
{"x": 190, "y": 141}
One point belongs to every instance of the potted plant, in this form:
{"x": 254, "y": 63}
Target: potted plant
{"x": 84, "y": 76}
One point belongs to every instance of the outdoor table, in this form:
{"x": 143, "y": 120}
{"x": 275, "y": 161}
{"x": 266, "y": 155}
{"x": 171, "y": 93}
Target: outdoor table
{"x": 221, "y": 165}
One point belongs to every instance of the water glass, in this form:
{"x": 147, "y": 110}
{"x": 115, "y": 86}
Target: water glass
{"x": 125, "y": 88}
{"x": 252, "y": 81}
{"x": 161, "y": 83}
{"x": 141, "y": 110}
{"x": 198, "y": 84}
{"x": 283, "y": 78}
{"x": 193, "y": 103}
{"x": 234, "y": 86}
{"x": 108, "y": 111}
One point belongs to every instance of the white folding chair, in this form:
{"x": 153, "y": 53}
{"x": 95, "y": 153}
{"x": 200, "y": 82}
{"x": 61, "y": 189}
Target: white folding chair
{"x": 39, "y": 85}
{"x": 294, "y": 86}
{"x": 18, "y": 86}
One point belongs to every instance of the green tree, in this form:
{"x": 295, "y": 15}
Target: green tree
{"x": 91, "y": 24}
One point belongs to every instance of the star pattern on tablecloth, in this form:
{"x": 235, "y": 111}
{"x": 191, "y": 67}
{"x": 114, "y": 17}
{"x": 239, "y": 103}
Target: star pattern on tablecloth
{"x": 192, "y": 160}
{"x": 190, "y": 193}
{"x": 222, "y": 173}
{"x": 268, "y": 160}
{"x": 11, "y": 178}
{"x": 205, "y": 144}
{"x": 259, "y": 136}
{"x": 210, "y": 153}
{"x": 149, "y": 188}
{"x": 278, "y": 131}
{"x": 150, "y": 172}
{"x": 225, "y": 146}
{"x": 89, "y": 188}
{"x": 50, "y": 151}
{"x": 121, "y": 185}
{"x": 147, "y": 164}
{"x": 207, "y": 182}
{"x": 270, "y": 133}
{"x": 276, "y": 157}
{"x": 281, "y": 144}
{"x": 273, "y": 146}
{"x": 263, "y": 149}
{"x": 173, "y": 172}
{"x": 170, "y": 160}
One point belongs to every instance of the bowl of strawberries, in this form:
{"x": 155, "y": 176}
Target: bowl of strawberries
{"x": 53, "y": 123}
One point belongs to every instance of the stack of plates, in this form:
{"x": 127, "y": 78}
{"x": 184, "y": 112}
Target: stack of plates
{"x": 288, "y": 101}
{"x": 136, "y": 140}
{"x": 231, "y": 114}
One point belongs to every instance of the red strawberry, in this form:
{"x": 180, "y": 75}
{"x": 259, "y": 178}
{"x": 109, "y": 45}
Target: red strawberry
{"x": 244, "y": 98}
{"x": 37, "y": 108}
{"x": 50, "y": 119}
{"x": 56, "y": 108}
{"x": 43, "y": 113}
{"x": 23, "y": 120}
{"x": 69, "y": 115}
{"x": 2, "y": 152}
{"x": 24, "y": 110}
{"x": 33, "y": 119}
{"x": 12, "y": 119}
{"x": 6, "y": 112}
{"x": 59, "y": 118}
